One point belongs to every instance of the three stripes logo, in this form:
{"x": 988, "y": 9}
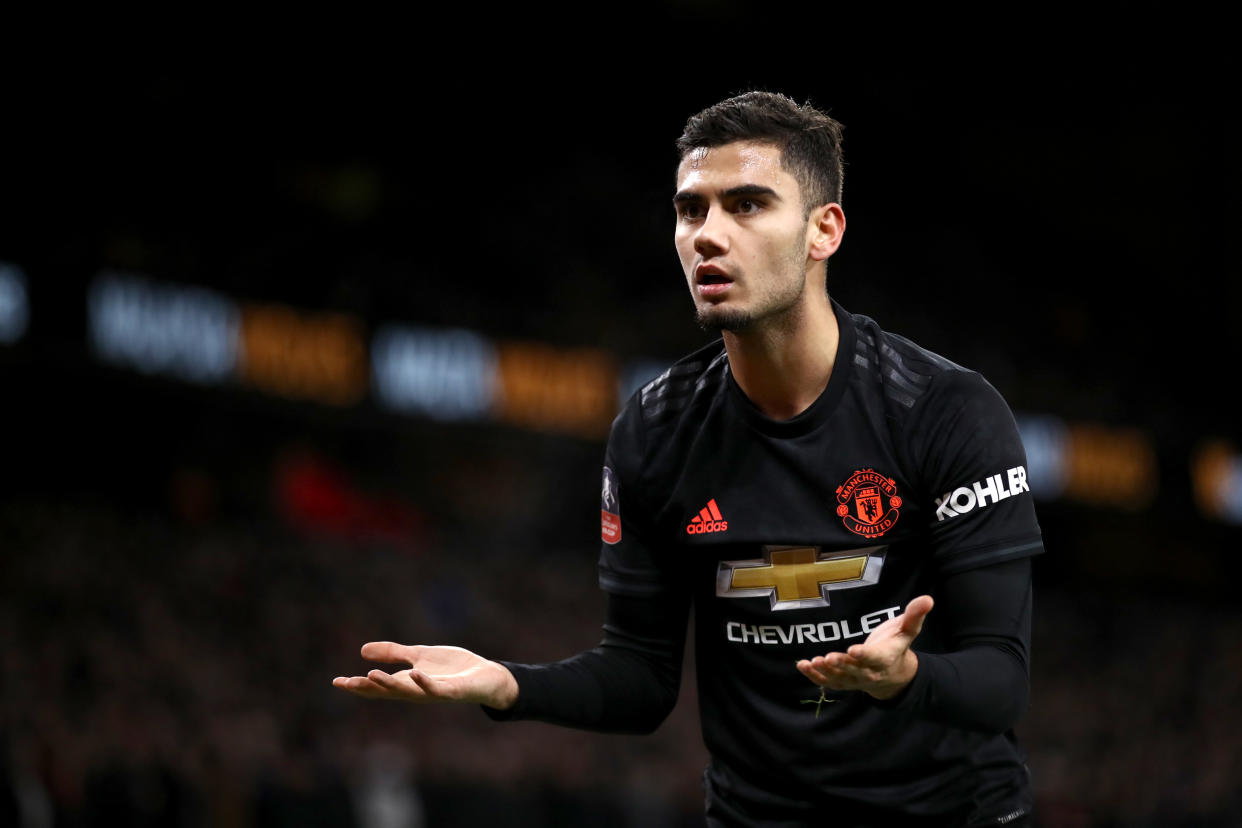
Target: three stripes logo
{"x": 707, "y": 520}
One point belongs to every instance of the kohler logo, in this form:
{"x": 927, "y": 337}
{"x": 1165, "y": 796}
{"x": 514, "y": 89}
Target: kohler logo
{"x": 983, "y": 493}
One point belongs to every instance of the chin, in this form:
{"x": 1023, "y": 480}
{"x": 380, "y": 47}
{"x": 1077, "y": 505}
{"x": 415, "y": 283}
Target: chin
{"x": 716, "y": 319}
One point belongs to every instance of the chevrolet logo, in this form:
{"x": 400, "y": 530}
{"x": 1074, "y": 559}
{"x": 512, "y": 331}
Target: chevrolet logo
{"x": 799, "y": 577}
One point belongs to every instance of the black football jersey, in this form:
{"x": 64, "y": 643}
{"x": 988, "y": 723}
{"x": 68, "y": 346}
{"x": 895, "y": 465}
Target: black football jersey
{"x": 796, "y": 538}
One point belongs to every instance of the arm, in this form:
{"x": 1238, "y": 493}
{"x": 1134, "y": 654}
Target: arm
{"x": 982, "y": 683}
{"x": 628, "y": 684}
{"x": 959, "y": 435}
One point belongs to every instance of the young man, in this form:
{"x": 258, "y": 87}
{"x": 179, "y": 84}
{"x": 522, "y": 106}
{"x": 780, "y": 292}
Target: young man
{"x": 810, "y": 485}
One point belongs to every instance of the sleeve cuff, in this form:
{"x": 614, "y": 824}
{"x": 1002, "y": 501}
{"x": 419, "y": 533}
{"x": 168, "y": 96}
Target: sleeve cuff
{"x": 526, "y": 677}
{"x": 914, "y": 695}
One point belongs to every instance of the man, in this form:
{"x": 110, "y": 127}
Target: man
{"x": 811, "y": 485}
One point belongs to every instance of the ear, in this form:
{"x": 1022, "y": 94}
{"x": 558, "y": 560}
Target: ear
{"x": 825, "y": 227}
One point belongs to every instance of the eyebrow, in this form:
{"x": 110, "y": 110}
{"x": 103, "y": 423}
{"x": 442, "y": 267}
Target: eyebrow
{"x": 741, "y": 191}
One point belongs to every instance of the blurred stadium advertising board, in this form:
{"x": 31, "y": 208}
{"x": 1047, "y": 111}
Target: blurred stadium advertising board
{"x": 14, "y": 303}
{"x": 201, "y": 336}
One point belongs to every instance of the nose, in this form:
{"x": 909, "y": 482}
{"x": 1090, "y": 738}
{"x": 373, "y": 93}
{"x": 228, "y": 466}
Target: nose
{"x": 712, "y": 238}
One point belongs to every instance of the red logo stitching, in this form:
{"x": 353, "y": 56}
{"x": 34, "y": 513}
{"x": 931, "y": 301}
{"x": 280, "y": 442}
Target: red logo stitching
{"x": 707, "y": 520}
{"x": 868, "y": 503}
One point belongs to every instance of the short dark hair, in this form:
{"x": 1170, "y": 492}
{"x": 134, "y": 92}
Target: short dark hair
{"x": 809, "y": 140}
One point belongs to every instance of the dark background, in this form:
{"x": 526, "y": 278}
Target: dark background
{"x": 1050, "y": 198}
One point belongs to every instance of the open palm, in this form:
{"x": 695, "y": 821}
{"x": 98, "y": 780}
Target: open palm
{"x": 882, "y": 665}
{"x": 436, "y": 673}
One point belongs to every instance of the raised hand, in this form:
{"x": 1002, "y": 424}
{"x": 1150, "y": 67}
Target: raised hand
{"x": 435, "y": 674}
{"x": 882, "y": 665}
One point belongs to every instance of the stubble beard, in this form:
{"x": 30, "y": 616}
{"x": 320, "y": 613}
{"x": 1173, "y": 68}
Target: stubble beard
{"x": 771, "y": 307}
{"x": 715, "y": 320}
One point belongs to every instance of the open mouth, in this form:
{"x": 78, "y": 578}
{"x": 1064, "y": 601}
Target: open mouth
{"x": 711, "y": 282}
{"x": 711, "y": 274}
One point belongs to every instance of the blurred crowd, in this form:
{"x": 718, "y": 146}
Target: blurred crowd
{"x": 172, "y": 612}
{"x": 159, "y": 672}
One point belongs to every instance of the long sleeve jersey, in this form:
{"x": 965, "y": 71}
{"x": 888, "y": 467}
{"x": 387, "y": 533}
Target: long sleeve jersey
{"x": 790, "y": 539}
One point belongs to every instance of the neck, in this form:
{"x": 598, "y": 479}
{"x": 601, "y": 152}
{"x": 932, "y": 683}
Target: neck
{"x": 784, "y": 365}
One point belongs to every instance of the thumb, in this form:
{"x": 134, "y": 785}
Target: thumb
{"x": 387, "y": 652}
{"x": 916, "y": 612}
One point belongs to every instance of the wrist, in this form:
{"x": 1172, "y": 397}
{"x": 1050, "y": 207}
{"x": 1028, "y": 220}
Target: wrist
{"x": 900, "y": 680}
{"x": 506, "y": 693}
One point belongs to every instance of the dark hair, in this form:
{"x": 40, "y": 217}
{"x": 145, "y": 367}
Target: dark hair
{"x": 809, "y": 140}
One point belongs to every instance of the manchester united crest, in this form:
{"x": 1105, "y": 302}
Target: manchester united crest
{"x": 868, "y": 503}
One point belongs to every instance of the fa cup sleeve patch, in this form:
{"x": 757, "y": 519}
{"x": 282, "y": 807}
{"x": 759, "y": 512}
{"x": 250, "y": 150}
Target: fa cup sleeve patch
{"x": 610, "y": 509}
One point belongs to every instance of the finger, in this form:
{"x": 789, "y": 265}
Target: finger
{"x": 833, "y": 679}
{"x": 825, "y": 670}
{"x": 434, "y": 687}
{"x": 838, "y": 663}
{"x": 863, "y": 657}
{"x": 359, "y": 685}
{"x": 916, "y": 612}
{"x": 387, "y": 652}
{"x": 389, "y": 682}
{"x": 808, "y": 669}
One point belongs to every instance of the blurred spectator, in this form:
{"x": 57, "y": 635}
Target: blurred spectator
{"x": 176, "y": 674}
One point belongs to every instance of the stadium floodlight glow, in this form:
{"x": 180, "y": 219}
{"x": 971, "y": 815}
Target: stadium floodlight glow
{"x": 1089, "y": 463}
{"x": 556, "y": 389}
{"x": 1045, "y": 439}
{"x": 186, "y": 332}
{"x": 447, "y": 374}
{"x": 1217, "y": 476}
{"x": 318, "y": 356}
{"x": 14, "y": 303}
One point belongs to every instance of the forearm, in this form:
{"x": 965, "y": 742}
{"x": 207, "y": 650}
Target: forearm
{"x": 628, "y": 684}
{"x": 982, "y": 681}
{"x": 980, "y": 688}
{"x": 601, "y": 689}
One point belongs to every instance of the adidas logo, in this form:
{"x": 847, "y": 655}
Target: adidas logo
{"x": 707, "y": 520}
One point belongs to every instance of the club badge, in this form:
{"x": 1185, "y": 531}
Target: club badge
{"x": 868, "y": 503}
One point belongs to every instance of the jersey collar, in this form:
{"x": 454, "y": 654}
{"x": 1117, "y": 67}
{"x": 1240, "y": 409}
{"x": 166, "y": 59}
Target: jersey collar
{"x": 820, "y": 410}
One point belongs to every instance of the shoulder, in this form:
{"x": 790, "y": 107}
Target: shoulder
{"x": 688, "y": 382}
{"x": 662, "y": 417}
{"x": 904, "y": 371}
{"x": 670, "y": 408}
{"x": 915, "y": 383}
{"x": 938, "y": 413}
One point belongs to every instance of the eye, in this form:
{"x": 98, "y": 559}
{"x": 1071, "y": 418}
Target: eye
{"x": 689, "y": 211}
{"x": 747, "y": 206}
